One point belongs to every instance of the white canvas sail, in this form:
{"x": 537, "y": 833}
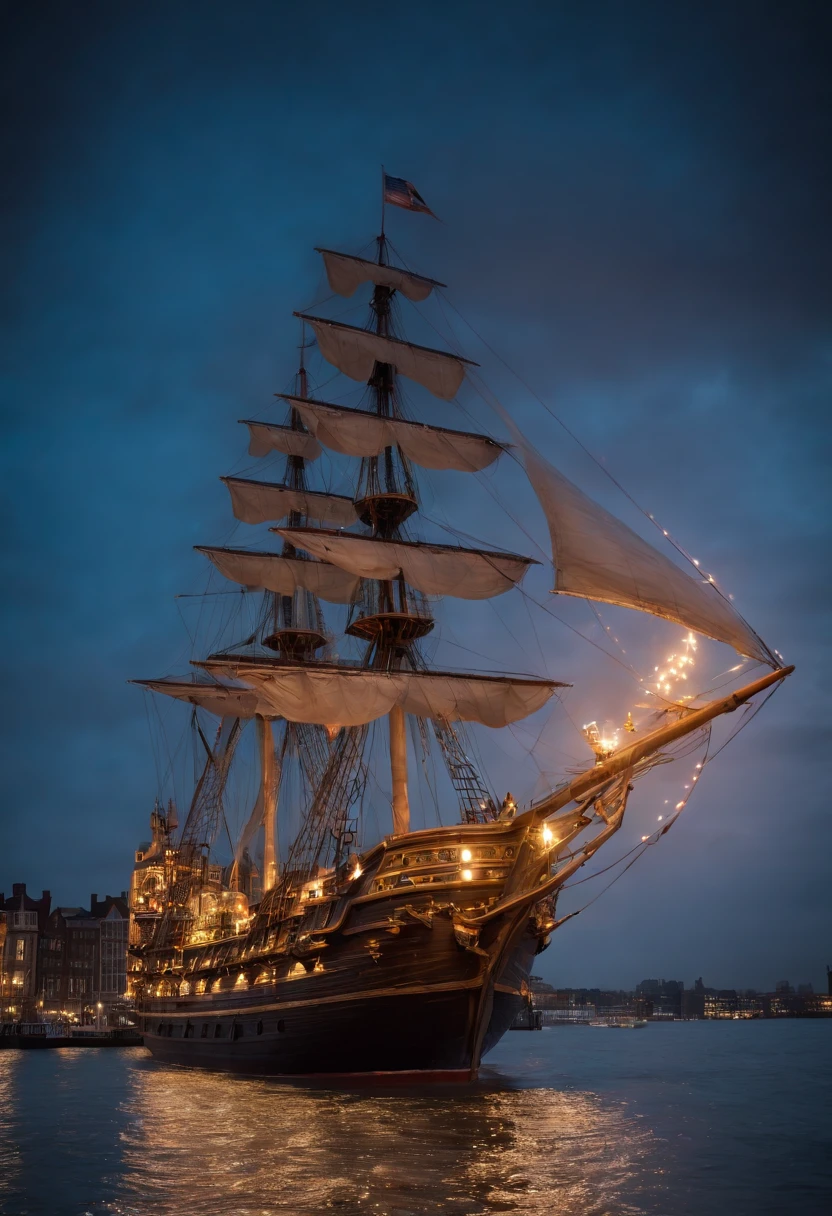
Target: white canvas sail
{"x": 258, "y": 502}
{"x": 600, "y": 558}
{"x": 224, "y": 700}
{"x": 283, "y": 575}
{"x": 352, "y": 696}
{"x": 361, "y": 433}
{"x": 346, "y": 273}
{"x": 266, "y": 438}
{"x": 468, "y": 574}
{"x": 355, "y": 352}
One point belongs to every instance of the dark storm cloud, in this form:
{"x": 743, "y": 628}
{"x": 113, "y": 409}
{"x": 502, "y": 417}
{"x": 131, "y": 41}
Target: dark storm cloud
{"x": 636, "y": 201}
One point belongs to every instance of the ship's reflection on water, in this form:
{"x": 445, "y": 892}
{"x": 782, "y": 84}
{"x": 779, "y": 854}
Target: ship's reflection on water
{"x": 212, "y": 1144}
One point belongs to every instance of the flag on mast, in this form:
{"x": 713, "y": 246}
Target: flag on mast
{"x": 402, "y": 193}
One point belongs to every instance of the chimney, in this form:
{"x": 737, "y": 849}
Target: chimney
{"x": 18, "y": 889}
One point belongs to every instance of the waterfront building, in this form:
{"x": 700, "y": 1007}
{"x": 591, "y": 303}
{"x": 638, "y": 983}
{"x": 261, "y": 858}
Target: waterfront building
{"x": 25, "y": 918}
{"x": 722, "y": 1004}
{"x": 693, "y": 1000}
{"x": 83, "y": 960}
{"x": 113, "y": 916}
{"x": 818, "y": 1005}
{"x": 666, "y": 996}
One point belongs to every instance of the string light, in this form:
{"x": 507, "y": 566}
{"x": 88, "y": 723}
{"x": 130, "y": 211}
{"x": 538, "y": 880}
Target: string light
{"x": 677, "y": 667}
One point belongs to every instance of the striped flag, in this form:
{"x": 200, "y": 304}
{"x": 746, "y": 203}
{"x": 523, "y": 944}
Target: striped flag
{"x": 402, "y": 193}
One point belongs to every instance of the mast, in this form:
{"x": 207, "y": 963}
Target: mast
{"x": 384, "y": 378}
{"x": 398, "y": 770}
{"x": 386, "y": 498}
{"x": 269, "y": 783}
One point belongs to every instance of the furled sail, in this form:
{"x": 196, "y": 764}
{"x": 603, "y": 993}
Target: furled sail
{"x": 218, "y": 698}
{"x": 346, "y": 273}
{"x": 265, "y": 438}
{"x": 258, "y": 502}
{"x": 468, "y": 574}
{"x": 600, "y": 558}
{"x": 362, "y": 433}
{"x": 354, "y": 695}
{"x": 283, "y": 575}
{"x": 355, "y": 352}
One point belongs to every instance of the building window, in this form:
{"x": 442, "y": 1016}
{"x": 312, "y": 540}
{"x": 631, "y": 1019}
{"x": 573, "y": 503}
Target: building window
{"x": 20, "y": 949}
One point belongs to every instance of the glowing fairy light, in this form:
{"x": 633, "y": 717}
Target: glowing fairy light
{"x": 548, "y": 836}
{"x": 677, "y": 666}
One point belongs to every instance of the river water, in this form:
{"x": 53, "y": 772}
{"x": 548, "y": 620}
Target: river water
{"x": 676, "y": 1119}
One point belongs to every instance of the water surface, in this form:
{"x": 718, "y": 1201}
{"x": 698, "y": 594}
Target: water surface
{"x": 671, "y": 1120}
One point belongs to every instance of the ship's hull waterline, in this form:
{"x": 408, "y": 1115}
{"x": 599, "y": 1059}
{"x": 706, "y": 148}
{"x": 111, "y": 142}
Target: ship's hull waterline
{"x": 398, "y": 989}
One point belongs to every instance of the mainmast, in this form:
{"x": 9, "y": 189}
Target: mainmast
{"x": 390, "y": 616}
{"x": 269, "y": 783}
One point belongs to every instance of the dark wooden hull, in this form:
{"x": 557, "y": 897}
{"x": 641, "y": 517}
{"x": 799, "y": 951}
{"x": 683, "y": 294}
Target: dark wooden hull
{"x": 416, "y": 1005}
{"x": 385, "y": 975}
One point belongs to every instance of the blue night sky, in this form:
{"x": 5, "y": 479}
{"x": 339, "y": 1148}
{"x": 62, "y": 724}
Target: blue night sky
{"x": 635, "y": 201}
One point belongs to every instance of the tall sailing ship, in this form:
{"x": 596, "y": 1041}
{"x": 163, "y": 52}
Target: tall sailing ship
{"x": 409, "y": 954}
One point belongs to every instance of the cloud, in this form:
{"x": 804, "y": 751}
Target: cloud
{"x": 635, "y": 216}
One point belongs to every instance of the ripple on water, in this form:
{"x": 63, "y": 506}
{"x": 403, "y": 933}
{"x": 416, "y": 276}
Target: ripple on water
{"x": 674, "y": 1121}
{"x": 211, "y": 1144}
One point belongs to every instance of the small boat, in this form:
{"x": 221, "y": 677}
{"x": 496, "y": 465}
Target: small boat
{"x": 38, "y": 1035}
{"x": 619, "y": 1023}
